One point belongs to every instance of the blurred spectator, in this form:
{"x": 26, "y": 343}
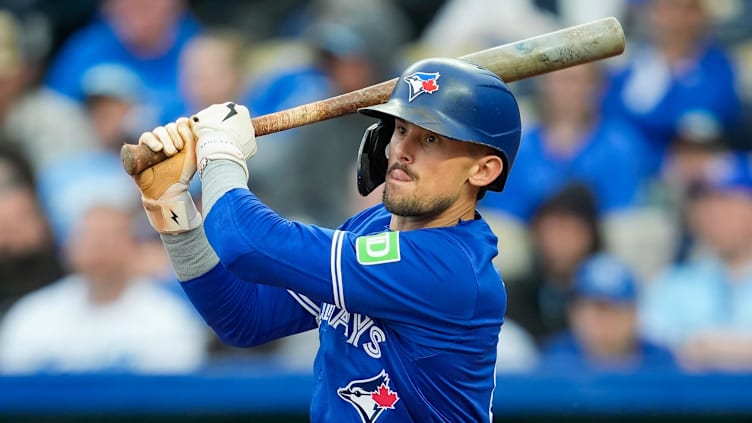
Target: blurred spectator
{"x": 338, "y": 46}
{"x": 703, "y": 308}
{"x": 41, "y": 122}
{"x": 28, "y": 254}
{"x": 290, "y": 78}
{"x": 463, "y": 26}
{"x": 679, "y": 76}
{"x": 102, "y": 318}
{"x": 296, "y": 352}
{"x": 260, "y": 20}
{"x": 576, "y": 12}
{"x": 645, "y": 238}
{"x": 653, "y": 237}
{"x": 419, "y": 13}
{"x": 516, "y": 350}
{"x": 514, "y": 260}
{"x": 573, "y": 143}
{"x": 688, "y": 159}
{"x": 212, "y": 69}
{"x": 145, "y": 36}
{"x": 69, "y": 184}
{"x": 346, "y": 46}
{"x": 113, "y": 95}
{"x": 73, "y": 184}
{"x": 564, "y": 232}
{"x": 353, "y": 49}
{"x": 604, "y": 329}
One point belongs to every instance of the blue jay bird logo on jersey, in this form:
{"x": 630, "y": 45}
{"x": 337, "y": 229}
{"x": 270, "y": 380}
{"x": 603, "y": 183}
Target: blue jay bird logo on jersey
{"x": 422, "y": 82}
{"x": 370, "y": 397}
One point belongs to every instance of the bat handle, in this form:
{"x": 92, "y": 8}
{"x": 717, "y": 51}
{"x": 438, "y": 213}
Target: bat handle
{"x": 137, "y": 158}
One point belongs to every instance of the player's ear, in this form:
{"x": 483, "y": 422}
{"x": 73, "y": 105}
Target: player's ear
{"x": 486, "y": 169}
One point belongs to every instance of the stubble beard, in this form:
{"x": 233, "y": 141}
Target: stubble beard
{"x": 411, "y": 206}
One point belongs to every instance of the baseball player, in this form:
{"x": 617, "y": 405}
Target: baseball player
{"x": 404, "y": 295}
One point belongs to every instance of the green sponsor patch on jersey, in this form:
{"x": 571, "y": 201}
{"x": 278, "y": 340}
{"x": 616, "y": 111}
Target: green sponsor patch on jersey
{"x": 378, "y": 249}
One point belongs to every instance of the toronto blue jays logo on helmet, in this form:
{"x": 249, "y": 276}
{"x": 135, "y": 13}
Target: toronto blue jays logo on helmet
{"x": 422, "y": 82}
{"x": 370, "y": 397}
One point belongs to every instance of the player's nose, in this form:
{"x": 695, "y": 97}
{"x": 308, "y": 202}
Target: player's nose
{"x": 403, "y": 149}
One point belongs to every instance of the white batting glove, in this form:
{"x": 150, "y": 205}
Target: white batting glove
{"x": 224, "y": 132}
{"x": 164, "y": 186}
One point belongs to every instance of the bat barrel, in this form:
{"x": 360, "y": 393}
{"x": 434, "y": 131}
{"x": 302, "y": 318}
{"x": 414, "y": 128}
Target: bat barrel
{"x": 514, "y": 61}
{"x": 553, "y": 51}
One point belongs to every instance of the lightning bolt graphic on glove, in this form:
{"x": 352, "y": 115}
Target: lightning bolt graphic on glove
{"x": 232, "y": 111}
{"x": 174, "y": 217}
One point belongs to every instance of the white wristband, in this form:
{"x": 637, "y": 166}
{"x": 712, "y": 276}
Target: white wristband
{"x": 216, "y": 146}
{"x": 173, "y": 216}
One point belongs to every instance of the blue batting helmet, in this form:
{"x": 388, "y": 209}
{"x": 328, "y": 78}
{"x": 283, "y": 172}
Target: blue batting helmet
{"x": 452, "y": 98}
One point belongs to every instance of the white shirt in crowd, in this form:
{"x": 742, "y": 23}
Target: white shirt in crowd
{"x": 57, "y": 329}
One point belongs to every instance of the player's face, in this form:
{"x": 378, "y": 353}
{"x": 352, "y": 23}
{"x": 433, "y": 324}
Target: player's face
{"x": 426, "y": 172}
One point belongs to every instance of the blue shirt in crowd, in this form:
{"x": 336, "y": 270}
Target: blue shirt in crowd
{"x": 694, "y": 298}
{"x": 565, "y": 353}
{"x": 610, "y": 162}
{"x": 98, "y": 44}
{"x": 699, "y": 95}
{"x": 287, "y": 89}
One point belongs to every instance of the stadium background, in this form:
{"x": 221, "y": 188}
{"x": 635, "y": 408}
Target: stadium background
{"x": 294, "y": 51}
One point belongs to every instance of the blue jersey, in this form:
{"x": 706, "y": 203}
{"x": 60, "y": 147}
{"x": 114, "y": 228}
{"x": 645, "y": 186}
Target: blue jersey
{"x": 408, "y": 321}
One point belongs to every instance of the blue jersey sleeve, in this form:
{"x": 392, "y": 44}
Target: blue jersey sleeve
{"x": 401, "y": 276}
{"x": 245, "y": 314}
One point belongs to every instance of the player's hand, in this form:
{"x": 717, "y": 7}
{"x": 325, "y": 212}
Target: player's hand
{"x": 164, "y": 186}
{"x": 225, "y": 132}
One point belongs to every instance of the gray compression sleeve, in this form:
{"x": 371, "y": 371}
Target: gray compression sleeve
{"x": 190, "y": 253}
{"x": 219, "y": 177}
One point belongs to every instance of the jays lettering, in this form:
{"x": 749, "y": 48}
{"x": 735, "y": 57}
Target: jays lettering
{"x": 360, "y": 330}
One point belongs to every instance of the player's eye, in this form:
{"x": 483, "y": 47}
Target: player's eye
{"x": 400, "y": 129}
{"x": 431, "y": 139}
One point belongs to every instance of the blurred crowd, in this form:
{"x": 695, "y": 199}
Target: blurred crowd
{"x": 625, "y": 230}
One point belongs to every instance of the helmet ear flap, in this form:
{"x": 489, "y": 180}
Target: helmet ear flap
{"x": 373, "y": 156}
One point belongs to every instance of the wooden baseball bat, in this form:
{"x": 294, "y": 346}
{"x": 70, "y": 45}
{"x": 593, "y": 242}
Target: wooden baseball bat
{"x": 514, "y": 61}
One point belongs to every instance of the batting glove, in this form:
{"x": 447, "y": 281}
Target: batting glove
{"x": 164, "y": 186}
{"x": 224, "y": 132}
